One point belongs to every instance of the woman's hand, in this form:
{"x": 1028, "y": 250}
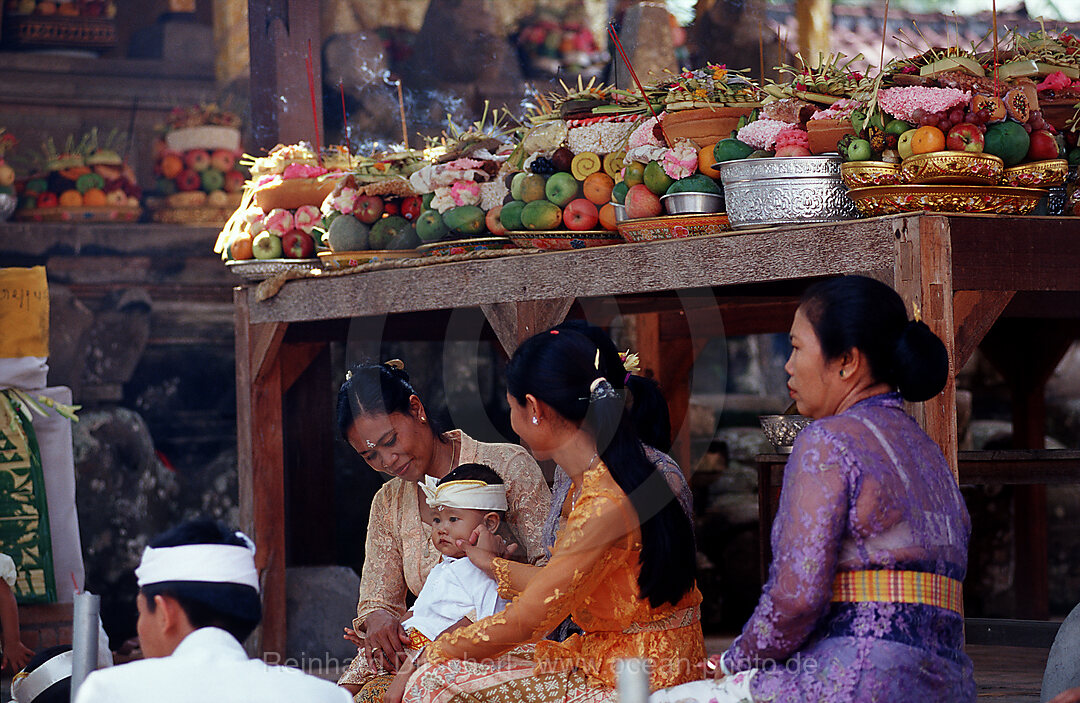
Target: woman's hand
{"x": 385, "y": 640}
{"x": 711, "y": 667}
{"x": 483, "y": 546}
{"x": 1070, "y": 696}
{"x": 354, "y": 637}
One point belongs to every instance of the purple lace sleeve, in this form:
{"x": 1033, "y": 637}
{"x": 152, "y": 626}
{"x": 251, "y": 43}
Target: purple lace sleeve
{"x": 806, "y": 535}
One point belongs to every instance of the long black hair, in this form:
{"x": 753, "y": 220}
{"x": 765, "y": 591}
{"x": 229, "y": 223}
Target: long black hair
{"x": 561, "y": 367}
{"x": 376, "y": 388}
{"x": 648, "y": 409}
{"x": 856, "y": 312}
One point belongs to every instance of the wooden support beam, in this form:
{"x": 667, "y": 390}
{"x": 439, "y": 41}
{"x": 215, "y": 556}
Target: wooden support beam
{"x": 974, "y": 312}
{"x": 923, "y": 275}
{"x": 280, "y": 98}
{"x": 515, "y": 322}
{"x": 261, "y": 464}
{"x": 295, "y": 361}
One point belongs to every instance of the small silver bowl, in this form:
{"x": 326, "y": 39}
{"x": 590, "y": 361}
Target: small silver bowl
{"x": 692, "y": 203}
{"x": 781, "y": 430}
{"x": 620, "y": 211}
{"x": 7, "y": 206}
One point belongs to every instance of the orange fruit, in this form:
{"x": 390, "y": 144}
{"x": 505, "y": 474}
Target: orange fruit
{"x": 926, "y": 139}
{"x": 95, "y": 197}
{"x": 597, "y": 187}
{"x": 607, "y": 217}
{"x": 171, "y": 165}
{"x": 705, "y": 160}
{"x": 71, "y": 198}
{"x": 240, "y": 247}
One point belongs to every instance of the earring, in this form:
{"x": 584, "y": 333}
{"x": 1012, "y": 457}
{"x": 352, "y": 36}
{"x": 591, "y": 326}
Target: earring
{"x": 536, "y": 420}
{"x": 423, "y": 418}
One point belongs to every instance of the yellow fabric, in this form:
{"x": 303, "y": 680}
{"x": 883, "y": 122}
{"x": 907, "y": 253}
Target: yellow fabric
{"x": 24, "y": 312}
{"x": 887, "y": 586}
{"x": 592, "y": 575}
{"x": 374, "y": 690}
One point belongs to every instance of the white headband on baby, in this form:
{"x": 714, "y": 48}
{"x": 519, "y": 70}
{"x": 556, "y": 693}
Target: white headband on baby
{"x": 469, "y": 494}
{"x": 204, "y": 563}
{"x": 25, "y": 687}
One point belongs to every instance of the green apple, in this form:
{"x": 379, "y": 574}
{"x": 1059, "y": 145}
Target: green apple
{"x": 266, "y": 246}
{"x": 859, "y": 150}
{"x": 897, "y": 127}
{"x": 903, "y": 144}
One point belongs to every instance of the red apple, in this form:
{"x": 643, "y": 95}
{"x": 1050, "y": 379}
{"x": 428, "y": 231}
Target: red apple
{"x": 298, "y": 244}
{"x": 641, "y": 202}
{"x": 410, "y": 208}
{"x": 368, "y": 209}
{"x": 188, "y": 179}
{"x": 392, "y": 207}
{"x": 197, "y": 159}
{"x": 48, "y": 199}
{"x": 223, "y": 160}
{"x": 1043, "y": 146}
{"x": 494, "y": 223}
{"x": 965, "y": 137}
{"x": 234, "y": 182}
{"x": 580, "y": 214}
{"x": 793, "y": 150}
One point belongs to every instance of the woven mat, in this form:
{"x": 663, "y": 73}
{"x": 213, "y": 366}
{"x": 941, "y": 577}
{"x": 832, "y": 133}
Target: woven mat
{"x": 270, "y": 287}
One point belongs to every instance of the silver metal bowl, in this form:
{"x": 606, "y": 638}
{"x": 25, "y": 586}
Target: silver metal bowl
{"x": 620, "y": 211}
{"x": 7, "y": 206}
{"x": 785, "y": 190}
{"x": 781, "y": 430}
{"x": 692, "y": 203}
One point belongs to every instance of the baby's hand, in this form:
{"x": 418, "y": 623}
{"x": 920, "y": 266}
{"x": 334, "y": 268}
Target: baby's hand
{"x": 352, "y": 636}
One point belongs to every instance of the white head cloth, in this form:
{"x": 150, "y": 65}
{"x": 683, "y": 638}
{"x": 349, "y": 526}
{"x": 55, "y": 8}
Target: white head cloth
{"x": 470, "y": 494}
{"x": 204, "y": 563}
{"x": 26, "y": 687}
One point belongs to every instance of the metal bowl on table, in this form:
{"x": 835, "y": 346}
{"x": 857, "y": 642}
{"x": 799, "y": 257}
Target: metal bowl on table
{"x": 785, "y": 190}
{"x": 620, "y": 211}
{"x": 781, "y": 430}
{"x": 692, "y": 203}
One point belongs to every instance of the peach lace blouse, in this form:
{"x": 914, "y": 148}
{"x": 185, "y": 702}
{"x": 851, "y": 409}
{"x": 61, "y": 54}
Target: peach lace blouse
{"x": 592, "y": 575}
{"x": 399, "y": 554}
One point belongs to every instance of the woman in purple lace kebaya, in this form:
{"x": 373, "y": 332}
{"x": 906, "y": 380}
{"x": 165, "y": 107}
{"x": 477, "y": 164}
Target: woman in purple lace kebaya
{"x": 870, "y": 542}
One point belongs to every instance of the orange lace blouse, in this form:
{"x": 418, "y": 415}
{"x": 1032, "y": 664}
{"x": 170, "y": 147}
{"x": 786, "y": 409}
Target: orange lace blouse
{"x": 592, "y": 575}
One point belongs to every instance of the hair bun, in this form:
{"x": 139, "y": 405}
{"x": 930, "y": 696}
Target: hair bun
{"x": 920, "y": 362}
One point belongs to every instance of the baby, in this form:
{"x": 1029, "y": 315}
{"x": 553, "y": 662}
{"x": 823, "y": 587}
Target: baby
{"x": 456, "y": 592}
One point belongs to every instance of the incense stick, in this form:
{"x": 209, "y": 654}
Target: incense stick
{"x": 345, "y": 118}
{"x": 761, "y": 51}
{"x": 314, "y": 107}
{"x": 401, "y": 111}
{"x": 630, "y": 67}
{"x": 993, "y": 10}
{"x": 884, "y": 34}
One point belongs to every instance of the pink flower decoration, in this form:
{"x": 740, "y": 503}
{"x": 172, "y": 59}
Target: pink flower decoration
{"x": 793, "y": 136}
{"x": 643, "y": 135}
{"x": 681, "y": 160}
{"x": 465, "y": 193}
{"x": 902, "y": 102}
{"x": 1055, "y": 81}
{"x": 761, "y": 134}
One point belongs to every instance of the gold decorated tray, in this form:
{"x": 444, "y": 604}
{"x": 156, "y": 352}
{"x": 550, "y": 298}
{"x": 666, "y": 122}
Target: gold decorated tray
{"x": 348, "y": 259}
{"x": 889, "y": 200}
{"x": 649, "y": 229}
{"x": 464, "y": 246}
{"x": 952, "y": 167}
{"x": 1037, "y": 174}
{"x": 562, "y": 239}
{"x": 859, "y": 174}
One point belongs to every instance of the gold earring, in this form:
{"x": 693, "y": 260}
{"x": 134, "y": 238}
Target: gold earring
{"x": 423, "y": 418}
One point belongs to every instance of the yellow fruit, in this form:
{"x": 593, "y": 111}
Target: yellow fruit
{"x": 71, "y": 198}
{"x": 706, "y": 159}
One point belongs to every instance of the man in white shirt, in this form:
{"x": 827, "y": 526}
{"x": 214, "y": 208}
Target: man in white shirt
{"x": 198, "y": 601}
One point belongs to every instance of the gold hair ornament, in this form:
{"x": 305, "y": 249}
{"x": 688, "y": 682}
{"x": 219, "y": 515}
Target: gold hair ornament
{"x": 395, "y": 364}
{"x": 915, "y": 310}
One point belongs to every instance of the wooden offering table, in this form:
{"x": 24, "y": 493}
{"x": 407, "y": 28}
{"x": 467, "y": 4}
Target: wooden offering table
{"x": 964, "y": 272}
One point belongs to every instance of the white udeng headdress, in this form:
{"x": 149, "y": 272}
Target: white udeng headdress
{"x": 469, "y": 494}
{"x": 204, "y": 563}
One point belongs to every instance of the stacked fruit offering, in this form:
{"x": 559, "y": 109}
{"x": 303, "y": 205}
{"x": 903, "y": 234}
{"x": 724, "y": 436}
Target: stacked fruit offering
{"x": 356, "y": 219}
{"x": 564, "y": 191}
{"x": 88, "y": 180}
{"x": 280, "y": 207}
{"x": 196, "y": 162}
{"x": 919, "y": 120}
{"x": 7, "y": 176}
{"x": 61, "y": 8}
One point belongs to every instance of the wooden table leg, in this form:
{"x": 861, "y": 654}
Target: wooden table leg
{"x": 513, "y": 323}
{"x": 261, "y": 463}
